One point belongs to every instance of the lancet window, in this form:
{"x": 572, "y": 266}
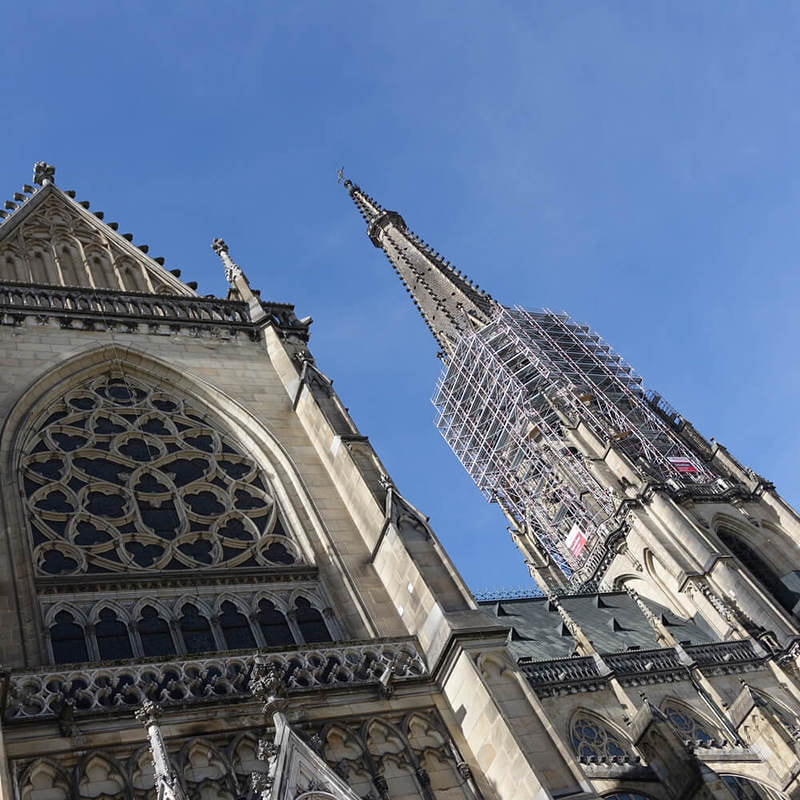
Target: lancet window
{"x": 164, "y": 629}
{"x": 68, "y": 640}
{"x": 154, "y": 634}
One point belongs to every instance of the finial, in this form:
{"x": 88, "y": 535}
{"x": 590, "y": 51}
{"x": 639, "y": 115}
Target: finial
{"x": 340, "y": 175}
{"x": 43, "y": 173}
{"x": 232, "y": 270}
{"x": 148, "y": 713}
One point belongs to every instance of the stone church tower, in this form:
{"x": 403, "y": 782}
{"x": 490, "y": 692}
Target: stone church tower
{"x": 212, "y": 588}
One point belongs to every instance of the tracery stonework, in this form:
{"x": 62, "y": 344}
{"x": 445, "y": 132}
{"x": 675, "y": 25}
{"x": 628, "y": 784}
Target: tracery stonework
{"x": 121, "y": 476}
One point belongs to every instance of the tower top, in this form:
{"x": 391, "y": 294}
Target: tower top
{"x": 447, "y": 300}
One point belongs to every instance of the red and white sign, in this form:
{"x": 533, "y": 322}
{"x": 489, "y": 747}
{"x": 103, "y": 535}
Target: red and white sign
{"x": 576, "y": 541}
{"x": 683, "y": 464}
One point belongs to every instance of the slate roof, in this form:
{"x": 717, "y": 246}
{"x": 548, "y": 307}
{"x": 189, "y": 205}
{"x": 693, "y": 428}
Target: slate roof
{"x": 611, "y": 620}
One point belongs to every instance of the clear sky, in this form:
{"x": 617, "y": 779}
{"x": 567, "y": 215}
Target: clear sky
{"x": 634, "y": 163}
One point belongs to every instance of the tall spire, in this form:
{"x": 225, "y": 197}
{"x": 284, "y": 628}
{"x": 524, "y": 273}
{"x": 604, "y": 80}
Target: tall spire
{"x": 448, "y": 301}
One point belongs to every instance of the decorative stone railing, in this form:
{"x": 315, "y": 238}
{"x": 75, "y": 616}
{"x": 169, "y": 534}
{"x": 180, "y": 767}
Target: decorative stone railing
{"x": 651, "y": 665}
{"x": 566, "y": 675}
{"x": 97, "y": 308}
{"x": 724, "y": 654}
{"x": 549, "y": 675}
{"x": 77, "y": 689}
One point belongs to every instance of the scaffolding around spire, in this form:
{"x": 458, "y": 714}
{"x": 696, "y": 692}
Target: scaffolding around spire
{"x": 502, "y": 403}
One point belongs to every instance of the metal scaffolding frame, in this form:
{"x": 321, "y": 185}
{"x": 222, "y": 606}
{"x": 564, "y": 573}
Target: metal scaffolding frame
{"x": 501, "y": 402}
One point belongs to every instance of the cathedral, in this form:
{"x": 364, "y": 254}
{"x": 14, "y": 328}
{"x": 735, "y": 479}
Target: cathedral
{"x": 213, "y": 590}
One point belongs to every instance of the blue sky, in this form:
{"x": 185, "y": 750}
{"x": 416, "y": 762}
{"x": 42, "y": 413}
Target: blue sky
{"x": 635, "y": 164}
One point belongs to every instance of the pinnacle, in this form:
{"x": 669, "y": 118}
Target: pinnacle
{"x": 448, "y": 302}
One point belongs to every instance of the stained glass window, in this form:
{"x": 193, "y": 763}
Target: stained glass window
{"x": 196, "y": 631}
{"x": 687, "y": 724}
{"x": 124, "y": 476}
{"x": 591, "y": 739}
{"x": 235, "y": 627}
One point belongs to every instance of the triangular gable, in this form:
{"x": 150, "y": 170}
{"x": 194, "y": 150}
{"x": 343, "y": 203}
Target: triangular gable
{"x": 51, "y": 239}
{"x": 300, "y": 773}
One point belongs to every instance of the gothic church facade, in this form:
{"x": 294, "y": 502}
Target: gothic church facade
{"x": 212, "y": 588}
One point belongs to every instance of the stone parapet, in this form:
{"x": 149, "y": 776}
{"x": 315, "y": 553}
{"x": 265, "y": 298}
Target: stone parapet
{"x": 99, "y": 309}
{"x": 81, "y": 689}
{"x": 568, "y": 675}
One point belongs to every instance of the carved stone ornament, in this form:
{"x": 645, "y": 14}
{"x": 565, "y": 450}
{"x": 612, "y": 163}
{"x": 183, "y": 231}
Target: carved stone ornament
{"x": 268, "y": 685}
{"x": 124, "y": 476}
{"x": 43, "y": 173}
{"x": 232, "y": 270}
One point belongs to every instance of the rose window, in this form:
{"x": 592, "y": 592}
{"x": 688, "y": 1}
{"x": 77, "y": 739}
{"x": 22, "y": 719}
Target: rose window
{"x": 120, "y": 476}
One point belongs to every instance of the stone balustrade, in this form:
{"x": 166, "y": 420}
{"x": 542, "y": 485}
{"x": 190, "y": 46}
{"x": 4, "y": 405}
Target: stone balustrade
{"x": 635, "y": 667}
{"x": 76, "y": 689}
{"x": 98, "y": 308}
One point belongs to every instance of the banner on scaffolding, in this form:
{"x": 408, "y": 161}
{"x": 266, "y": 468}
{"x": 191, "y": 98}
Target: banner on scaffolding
{"x": 683, "y": 464}
{"x": 576, "y": 541}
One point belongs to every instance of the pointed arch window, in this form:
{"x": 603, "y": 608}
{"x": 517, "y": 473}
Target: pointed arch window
{"x": 235, "y": 627}
{"x": 592, "y": 739}
{"x": 155, "y": 634}
{"x": 196, "y": 630}
{"x": 759, "y": 568}
{"x": 112, "y": 636}
{"x": 273, "y": 625}
{"x": 309, "y": 620}
{"x": 688, "y": 725}
{"x": 68, "y": 640}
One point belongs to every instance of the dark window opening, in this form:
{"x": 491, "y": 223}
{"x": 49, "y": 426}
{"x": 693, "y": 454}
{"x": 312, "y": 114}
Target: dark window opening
{"x": 155, "y": 635}
{"x": 760, "y": 570}
{"x": 235, "y": 628}
{"x": 196, "y": 631}
{"x": 69, "y": 644}
{"x": 310, "y": 622}
{"x": 273, "y": 625}
{"x": 112, "y": 637}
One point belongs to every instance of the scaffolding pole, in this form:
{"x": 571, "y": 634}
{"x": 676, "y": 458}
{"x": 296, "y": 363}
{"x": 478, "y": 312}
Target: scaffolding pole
{"x": 500, "y": 403}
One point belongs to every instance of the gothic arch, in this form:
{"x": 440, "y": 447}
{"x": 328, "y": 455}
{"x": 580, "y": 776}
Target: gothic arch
{"x": 292, "y": 498}
{"x": 738, "y": 784}
{"x": 689, "y": 723}
{"x": 657, "y": 577}
{"x": 99, "y": 774}
{"x": 594, "y": 737}
{"x": 780, "y": 708}
{"x": 760, "y": 558}
{"x": 44, "y": 774}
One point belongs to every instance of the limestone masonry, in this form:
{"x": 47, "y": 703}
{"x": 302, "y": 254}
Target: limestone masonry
{"x": 213, "y": 590}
